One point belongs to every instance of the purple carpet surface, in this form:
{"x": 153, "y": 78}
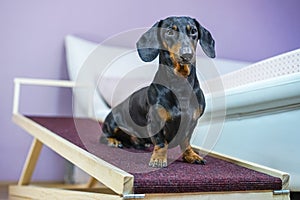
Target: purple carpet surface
{"x": 216, "y": 176}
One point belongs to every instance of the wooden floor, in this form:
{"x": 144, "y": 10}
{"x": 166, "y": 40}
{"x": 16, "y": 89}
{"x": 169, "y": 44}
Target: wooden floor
{"x": 4, "y": 193}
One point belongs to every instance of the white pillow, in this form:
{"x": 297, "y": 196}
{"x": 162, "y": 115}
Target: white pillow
{"x": 114, "y": 72}
{"x": 77, "y": 51}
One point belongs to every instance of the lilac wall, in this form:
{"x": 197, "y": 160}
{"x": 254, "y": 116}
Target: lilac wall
{"x": 31, "y": 45}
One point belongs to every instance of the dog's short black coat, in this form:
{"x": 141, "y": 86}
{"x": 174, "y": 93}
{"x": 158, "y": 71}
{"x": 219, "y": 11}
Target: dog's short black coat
{"x": 166, "y": 112}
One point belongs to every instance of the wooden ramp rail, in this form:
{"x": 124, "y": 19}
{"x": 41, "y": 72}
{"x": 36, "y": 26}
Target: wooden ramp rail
{"x": 97, "y": 168}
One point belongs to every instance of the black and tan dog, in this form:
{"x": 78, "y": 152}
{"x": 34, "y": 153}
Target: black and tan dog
{"x": 166, "y": 112}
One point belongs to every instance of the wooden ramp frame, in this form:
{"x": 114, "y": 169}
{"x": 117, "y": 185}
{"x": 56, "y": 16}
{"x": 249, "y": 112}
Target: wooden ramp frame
{"x": 118, "y": 183}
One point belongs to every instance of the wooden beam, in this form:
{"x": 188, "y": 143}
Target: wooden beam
{"x": 34, "y": 192}
{"x": 234, "y": 195}
{"x": 92, "y": 182}
{"x": 118, "y": 180}
{"x": 31, "y": 161}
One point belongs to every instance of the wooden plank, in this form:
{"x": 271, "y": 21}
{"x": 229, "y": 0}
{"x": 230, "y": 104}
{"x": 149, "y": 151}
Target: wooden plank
{"x": 116, "y": 179}
{"x": 257, "y": 195}
{"x": 31, "y": 161}
{"x": 285, "y": 177}
{"x": 18, "y": 198}
{"x": 60, "y": 185}
{"x": 92, "y": 182}
{"x": 33, "y": 192}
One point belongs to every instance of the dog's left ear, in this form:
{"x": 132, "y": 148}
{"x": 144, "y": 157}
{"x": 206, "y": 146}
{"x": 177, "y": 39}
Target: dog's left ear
{"x": 206, "y": 41}
{"x": 148, "y": 44}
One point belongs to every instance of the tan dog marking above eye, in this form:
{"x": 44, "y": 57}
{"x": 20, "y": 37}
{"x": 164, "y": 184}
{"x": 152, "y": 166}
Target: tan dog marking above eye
{"x": 174, "y": 27}
{"x": 188, "y": 27}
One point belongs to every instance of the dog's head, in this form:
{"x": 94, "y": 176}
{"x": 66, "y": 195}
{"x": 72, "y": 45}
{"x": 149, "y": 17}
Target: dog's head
{"x": 177, "y": 37}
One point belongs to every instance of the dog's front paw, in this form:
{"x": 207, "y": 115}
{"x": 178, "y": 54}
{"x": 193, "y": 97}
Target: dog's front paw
{"x": 159, "y": 156}
{"x": 191, "y": 157}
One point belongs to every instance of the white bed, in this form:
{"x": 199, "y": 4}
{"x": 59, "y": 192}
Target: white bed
{"x": 262, "y": 115}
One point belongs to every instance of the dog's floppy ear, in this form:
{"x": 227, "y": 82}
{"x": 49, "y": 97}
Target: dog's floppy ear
{"x": 148, "y": 45}
{"x": 206, "y": 41}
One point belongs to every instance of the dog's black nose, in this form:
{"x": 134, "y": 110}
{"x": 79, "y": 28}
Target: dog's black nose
{"x": 186, "y": 57}
{"x": 186, "y": 53}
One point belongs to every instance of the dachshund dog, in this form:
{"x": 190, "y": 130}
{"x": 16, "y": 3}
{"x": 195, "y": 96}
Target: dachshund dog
{"x": 166, "y": 112}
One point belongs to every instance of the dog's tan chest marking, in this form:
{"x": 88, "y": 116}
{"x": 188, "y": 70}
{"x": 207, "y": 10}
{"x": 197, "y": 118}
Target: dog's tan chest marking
{"x": 164, "y": 114}
{"x": 182, "y": 70}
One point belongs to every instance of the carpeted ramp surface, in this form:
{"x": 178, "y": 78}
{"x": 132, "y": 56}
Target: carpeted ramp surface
{"x": 216, "y": 176}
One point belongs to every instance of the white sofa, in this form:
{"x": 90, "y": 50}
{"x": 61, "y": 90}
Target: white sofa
{"x": 261, "y": 100}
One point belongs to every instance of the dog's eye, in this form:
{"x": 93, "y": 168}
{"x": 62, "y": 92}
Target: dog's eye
{"x": 170, "y": 32}
{"x": 193, "y": 31}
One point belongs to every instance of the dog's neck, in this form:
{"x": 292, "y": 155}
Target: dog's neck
{"x": 166, "y": 71}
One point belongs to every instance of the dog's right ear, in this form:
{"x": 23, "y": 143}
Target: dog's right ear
{"x": 148, "y": 44}
{"x": 206, "y": 41}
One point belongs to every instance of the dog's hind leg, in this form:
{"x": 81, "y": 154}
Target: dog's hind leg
{"x": 112, "y": 142}
{"x": 189, "y": 155}
{"x": 111, "y": 132}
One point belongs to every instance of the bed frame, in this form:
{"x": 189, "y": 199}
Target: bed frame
{"x": 118, "y": 183}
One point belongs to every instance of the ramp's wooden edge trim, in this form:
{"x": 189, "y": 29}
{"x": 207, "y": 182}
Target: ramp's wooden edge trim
{"x": 285, "y": 177}
{"x": 116, "y": 179}
{"x": 257, "y": 195}
{"x": 34, "y": 192}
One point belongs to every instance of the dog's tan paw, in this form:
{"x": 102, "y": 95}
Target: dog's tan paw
{"x": 113, "y": 142}
{"x": 159, "y": 157}
{"x": 191, "y": 157}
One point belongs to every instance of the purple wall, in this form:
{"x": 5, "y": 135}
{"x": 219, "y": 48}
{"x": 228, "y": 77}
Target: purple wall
{"x": 31, "y": 45}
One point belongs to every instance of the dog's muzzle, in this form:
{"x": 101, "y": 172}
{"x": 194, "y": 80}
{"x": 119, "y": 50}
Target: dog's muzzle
{"x": 186, "y": 55}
